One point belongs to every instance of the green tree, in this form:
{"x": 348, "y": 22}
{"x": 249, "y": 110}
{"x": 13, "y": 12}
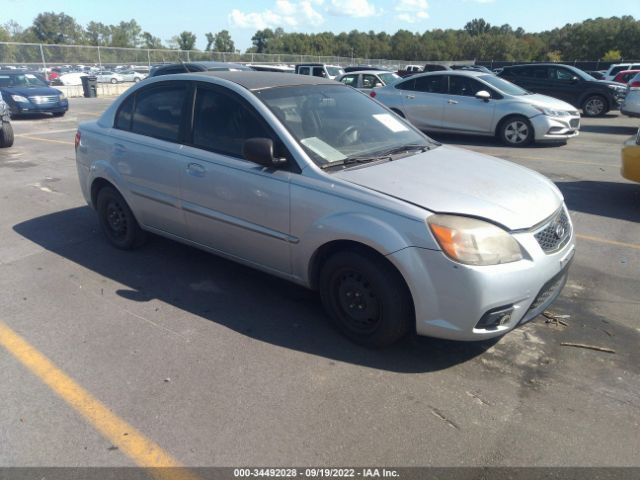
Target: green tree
{"x": 186, "y": 40}
{"x": 126, "y": 34}
{"x": 50, "y": 27}
{"x": 221, "y": 42}
{"x": 477, "y": 26}
{"x": 151, "y": 42}
{"x": 98, "y": 33}
{"x": 261, "y": 40}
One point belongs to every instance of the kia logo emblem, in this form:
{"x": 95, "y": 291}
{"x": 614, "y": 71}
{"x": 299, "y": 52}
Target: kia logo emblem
{"x": 559, "y": 231}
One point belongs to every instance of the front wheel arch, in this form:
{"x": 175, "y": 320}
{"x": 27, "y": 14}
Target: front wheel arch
{"x": 499, "y": 128}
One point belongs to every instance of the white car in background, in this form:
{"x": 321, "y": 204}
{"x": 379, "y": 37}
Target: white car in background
{"x": 368, "y": 79}
{"x": 631, "y": 104}
{"x": 107, "y": 76}
{"x": 131, "y": 75}
{"x": 73, "y": 78}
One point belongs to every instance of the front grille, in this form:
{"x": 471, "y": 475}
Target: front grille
{"x": 555, "y": 234}
{"x": 549, "y": 289}
{"x": 41, "y": 99}
{"x": 574, "y": 122}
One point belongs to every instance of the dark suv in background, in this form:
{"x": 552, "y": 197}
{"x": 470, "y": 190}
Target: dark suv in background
{"x": 574, "y": 86}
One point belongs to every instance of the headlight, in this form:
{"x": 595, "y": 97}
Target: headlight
{"x": 62, "y": 96}
{"x": 473, "y": 242}
{"x": 551, "y": 113}
{"x": 618, "y": 88}
{"x": 19, "y": 98}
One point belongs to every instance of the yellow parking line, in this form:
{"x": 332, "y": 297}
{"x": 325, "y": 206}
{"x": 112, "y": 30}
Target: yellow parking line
{"x": 130, "y": 441}
{"x": 46, "y": 140}
{"x": 609, "y": 242}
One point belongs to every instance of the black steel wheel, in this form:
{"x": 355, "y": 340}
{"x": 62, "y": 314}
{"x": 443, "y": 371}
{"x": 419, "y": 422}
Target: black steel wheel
{"x": 366, "y": 298}
{"x": 117, "y": 221}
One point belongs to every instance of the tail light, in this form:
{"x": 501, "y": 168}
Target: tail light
{"x": 372, "y": 94}
{"x": 634, "y": 84}
{"x": 77, "y": 139}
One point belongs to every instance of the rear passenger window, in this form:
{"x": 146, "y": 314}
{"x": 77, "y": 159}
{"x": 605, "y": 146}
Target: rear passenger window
{"x": 430, "y": 84}
{"x": 351, "y": 80}
{"x": 408, "y": 85}
{"x": 158, "y": 112}
{"x": 222, "y": 123}
{"x": 123, "y": 116}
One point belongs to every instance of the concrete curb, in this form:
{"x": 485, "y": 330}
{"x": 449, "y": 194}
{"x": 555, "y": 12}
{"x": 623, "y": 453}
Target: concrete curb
{"x": 104, "y": 89}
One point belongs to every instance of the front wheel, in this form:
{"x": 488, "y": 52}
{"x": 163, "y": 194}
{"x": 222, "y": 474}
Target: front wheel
{"x": 114, "y": 81}
{"x": 117, "y": 221}
{"x": 594, "y": 106}
{"x": 6, "y": 135}
{"x": 516, "y": 132}
{"x": 136, "y": 80}
{"x": 366, "y": 298}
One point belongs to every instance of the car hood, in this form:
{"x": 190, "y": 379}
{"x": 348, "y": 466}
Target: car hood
{"x": 548, "y": 102}
{"x": 453, "y": 180}
{"x": 31, "y": 91}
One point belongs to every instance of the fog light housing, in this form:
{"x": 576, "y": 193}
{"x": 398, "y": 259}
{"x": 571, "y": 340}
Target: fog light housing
{"x": 495, "y": 318}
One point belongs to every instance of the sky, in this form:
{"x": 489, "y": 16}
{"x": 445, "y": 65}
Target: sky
{"x": 166, "y": 18}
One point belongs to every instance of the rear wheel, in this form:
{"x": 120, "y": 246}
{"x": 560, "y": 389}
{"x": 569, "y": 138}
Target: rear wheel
{"x": 117, "y": 221}
{"x": 516, "y": 131}
{"x": 114, "y": 81}
{"x": 6, "y": 135}
{"x": 594, "y": 106}
{"x": 366, "y": 298}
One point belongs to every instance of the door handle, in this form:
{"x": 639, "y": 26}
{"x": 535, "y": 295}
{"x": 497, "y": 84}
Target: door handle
{"x": 411, "y": 96}
{"x": 195, "y": 170}
{"x": 452, "y": 102}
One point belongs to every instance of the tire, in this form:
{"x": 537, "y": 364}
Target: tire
{"x": 59, "y": 114}
{"x": 516, "y": 131}
{"x": 136, "y": 79}
{"x": 114, "y": 81}
{"x": 117, "y": 221}
{"x": 594, "y": 106}
{"x": 366, "y": 298}
{"x": 6, "y": 135}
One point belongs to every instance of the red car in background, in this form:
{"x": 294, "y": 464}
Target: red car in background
{"x": 625, "y": 76}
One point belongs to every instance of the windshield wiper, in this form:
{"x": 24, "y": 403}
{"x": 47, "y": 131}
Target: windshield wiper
{"x": 376, "y": 156}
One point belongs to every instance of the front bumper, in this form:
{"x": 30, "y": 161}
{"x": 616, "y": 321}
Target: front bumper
{"x": 450, "y": 299}
{"x": 631, "y": 104}
{"x": 21, "y": 108}
{"x": 549, "y": 129}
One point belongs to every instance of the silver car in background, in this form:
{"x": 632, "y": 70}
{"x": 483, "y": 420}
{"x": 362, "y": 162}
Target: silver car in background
{"x": 310, "y": 180}
{"x": 480, "y": 104}
{"x": 631, "y": 104}
{"x": 107, "y": 76}
{"x": 368, "y": 79}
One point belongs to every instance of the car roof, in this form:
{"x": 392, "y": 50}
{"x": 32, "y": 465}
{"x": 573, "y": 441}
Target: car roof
{"x": 252, "y": 80}
{"x": 460, "y": 73}
{"x": 373, "y": 72}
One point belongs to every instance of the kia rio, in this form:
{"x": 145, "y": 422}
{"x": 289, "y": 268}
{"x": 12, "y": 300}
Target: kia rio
{"x": 317, "y": 183}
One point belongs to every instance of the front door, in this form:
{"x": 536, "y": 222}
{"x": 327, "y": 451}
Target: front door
{"x": 232, "y": 205}
{"x": 463, "y": 111}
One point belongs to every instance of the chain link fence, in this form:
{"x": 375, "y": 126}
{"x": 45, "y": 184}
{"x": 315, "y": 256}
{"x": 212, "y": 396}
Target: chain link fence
{"x": 36, "y": 56}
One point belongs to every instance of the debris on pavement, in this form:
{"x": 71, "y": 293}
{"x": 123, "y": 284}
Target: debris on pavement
{"x": 590, "y": 347}
{"x": 555, "y": 319}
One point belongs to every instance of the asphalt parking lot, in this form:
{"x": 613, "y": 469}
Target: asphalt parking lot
{"x": 211, "y": 363}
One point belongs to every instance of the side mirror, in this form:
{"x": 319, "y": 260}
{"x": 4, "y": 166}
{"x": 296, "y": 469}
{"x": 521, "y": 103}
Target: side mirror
{"x": 575, "y": 79}
{"x": 260, "y": 150}
{"x": 378, "y": 84}
{"x": 483, "y": 95}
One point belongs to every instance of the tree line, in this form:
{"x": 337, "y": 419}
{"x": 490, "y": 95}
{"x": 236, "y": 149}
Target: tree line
{"x": 594, "y": 39}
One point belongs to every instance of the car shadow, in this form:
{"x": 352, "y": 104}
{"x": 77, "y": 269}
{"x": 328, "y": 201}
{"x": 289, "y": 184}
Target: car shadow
{"x": 30, "y": 116}
{"x": 245, "y": 300}
{"x": 480, "y": 141}
{"x": 619, "y": 200}
{"x": 613, "y": 129}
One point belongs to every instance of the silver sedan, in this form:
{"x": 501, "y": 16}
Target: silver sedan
{"x": 312, "y": 181}
{"x": 368, "y": 79}
{"x": 480, "y": 104}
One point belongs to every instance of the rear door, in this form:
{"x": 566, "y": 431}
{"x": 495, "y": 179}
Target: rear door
{"x": 146, "y": 154}
{"x": 232, "y": 205}
{"x": 463, "y": 111}
{"x": 424, "y": 100}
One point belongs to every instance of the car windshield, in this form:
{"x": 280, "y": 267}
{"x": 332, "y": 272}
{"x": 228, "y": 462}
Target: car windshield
{"x": 335, "y": 71}
{"x": 21, "y": 80}
{"x": 334, "y": 123}
{"x": 389, "y": 78}
{"x": 503, "y": 85}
